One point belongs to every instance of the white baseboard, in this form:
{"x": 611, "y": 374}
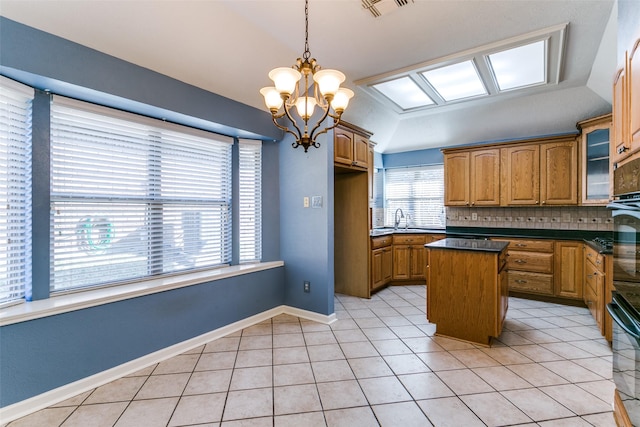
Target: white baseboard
{"x": 57, "y": 395}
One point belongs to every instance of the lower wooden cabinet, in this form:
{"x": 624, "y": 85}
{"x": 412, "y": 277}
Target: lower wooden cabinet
{"x": 381, "y": 261}
{"x": 409, "y": 260}
{"x": 545, "y": 267}
{"x": 598, "y": 284}
{"x": 568, "y": 266}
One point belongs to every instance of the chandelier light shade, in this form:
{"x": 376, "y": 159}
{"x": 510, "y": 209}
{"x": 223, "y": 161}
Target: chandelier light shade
{"x": 306, "y": 87}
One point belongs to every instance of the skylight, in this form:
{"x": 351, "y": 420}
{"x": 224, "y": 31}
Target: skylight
{"x": 519, "y": 67}
{"x": 404, "y": 92}
{"x": 457, "y": 81}
{"x": 522, "y": 63}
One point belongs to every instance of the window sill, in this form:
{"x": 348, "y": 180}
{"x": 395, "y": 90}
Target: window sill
{"x": 91, "y": 298}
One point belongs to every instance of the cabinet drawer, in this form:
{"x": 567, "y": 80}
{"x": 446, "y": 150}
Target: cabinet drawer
{"x": 531, "y": 245}
{"x": 530, "y": 282}
{"x": 381, "y": 242}
{"x": 408, "y": 239}
{"x": 530, "y": 261}
{"x": 596, "y": 258}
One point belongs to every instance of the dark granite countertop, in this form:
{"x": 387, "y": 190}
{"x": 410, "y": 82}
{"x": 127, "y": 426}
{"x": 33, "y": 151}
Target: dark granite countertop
{"x": 468, "y": 245}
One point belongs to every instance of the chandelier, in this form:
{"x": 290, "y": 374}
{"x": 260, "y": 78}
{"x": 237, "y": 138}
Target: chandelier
{"x": 293, "y": 88}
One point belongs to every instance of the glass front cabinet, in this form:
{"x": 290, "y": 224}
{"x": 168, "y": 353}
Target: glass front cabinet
{"x": 596, "y": 181}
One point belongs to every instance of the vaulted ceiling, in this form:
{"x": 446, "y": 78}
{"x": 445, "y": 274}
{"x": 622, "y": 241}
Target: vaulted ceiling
{"x": 229, "y": 46}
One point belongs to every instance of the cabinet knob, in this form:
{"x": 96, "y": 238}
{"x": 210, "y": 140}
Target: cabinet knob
{"x": 520, "y": 261}
{"x": 543, "y": 202}
{"x": 520, "y": 281}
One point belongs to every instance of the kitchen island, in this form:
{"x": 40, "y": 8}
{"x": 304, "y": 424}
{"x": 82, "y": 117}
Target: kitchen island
{"x": 467, "y": 291}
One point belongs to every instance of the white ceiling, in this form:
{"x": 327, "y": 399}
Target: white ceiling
{"x": 229, "y": 46}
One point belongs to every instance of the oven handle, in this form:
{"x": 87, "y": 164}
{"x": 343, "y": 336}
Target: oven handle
{"x": 613, "y": 310}
{"x": 624, "y": 206}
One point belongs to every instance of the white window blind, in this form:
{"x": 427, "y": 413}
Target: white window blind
{"x": 419, "y": 192}
{"x": 15, "y": 189}
{"x": 250, "y": 200}
{"x": 133, "y": 197}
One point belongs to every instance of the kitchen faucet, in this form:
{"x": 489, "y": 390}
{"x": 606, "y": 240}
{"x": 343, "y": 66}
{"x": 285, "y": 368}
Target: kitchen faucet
{"x": 397, "y": 219}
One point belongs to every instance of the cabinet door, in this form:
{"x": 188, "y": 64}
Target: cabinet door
{"x": 568, "y": 269}
{"x": 620, "y": 145}
{"x": 360, "y": 151}
{"x": 377, "y": 275}
{"x": 485, "y": 177}
{"x": 633, "y": 87}
{"x": 343, "y": 147}
{"x": 401, "y": 262}
{"x": 387, "y": 265}
{"x": 559, "y": 173}
{"x": 521, "y": 175}
{"x": 418, "y": 262}
{"x": 456, "y": 179}
{"x": 596, "y": 182}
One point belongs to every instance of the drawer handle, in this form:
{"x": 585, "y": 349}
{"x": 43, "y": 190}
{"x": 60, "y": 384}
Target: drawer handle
{"x": 520, "y": 261}
{"x": 520, "y": 281}
{"x": 521, "y": 245}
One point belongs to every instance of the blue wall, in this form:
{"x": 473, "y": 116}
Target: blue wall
{"x": 306, "y": 241}
{"x": 40, "y": 355}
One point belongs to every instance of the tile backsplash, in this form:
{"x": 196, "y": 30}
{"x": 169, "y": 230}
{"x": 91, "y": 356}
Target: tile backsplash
{"x": 556, "y": 218}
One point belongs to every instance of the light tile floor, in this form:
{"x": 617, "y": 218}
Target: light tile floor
{"x": 379, "y": 364}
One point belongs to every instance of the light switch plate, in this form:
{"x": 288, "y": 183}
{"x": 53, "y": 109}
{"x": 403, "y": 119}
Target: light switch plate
{"x": 316, "y": 202}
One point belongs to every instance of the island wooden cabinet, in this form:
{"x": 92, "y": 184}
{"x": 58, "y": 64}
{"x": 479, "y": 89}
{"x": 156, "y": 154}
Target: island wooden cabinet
{"x": 467, "y": 296}
{"x": 472, "y": 178}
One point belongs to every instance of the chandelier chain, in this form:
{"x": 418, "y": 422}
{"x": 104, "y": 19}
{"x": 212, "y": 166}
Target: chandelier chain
{"x": 306, "y": 53}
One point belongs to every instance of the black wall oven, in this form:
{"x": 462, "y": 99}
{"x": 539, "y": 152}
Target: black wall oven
{"x": 625, "y": 305}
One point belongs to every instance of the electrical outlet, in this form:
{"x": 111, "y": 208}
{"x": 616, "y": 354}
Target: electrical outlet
{"x": 305, "y": 202}
{"x": 474, "y": 216}
{"x": 307, "y": 286}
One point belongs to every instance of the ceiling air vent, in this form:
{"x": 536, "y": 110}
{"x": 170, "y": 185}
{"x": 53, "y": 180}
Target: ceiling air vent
{"x": 383, "y": 7}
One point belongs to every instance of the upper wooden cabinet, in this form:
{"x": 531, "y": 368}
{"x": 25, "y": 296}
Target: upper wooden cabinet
{"x": 535, "y": 172}
{"x": 350, "y": 149}
{"x": 634, "y": 97}
{"x": 485, "y": 177}
{"x": 472, "y": 178}
{"x": 521, "y": 175}
{"x": 595, "y": 172}
{"x": 559, "y": 173}
{"x": 626, "y": 108}
{"x": 456, "y": 179}
{"x": 540, "y": 174}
